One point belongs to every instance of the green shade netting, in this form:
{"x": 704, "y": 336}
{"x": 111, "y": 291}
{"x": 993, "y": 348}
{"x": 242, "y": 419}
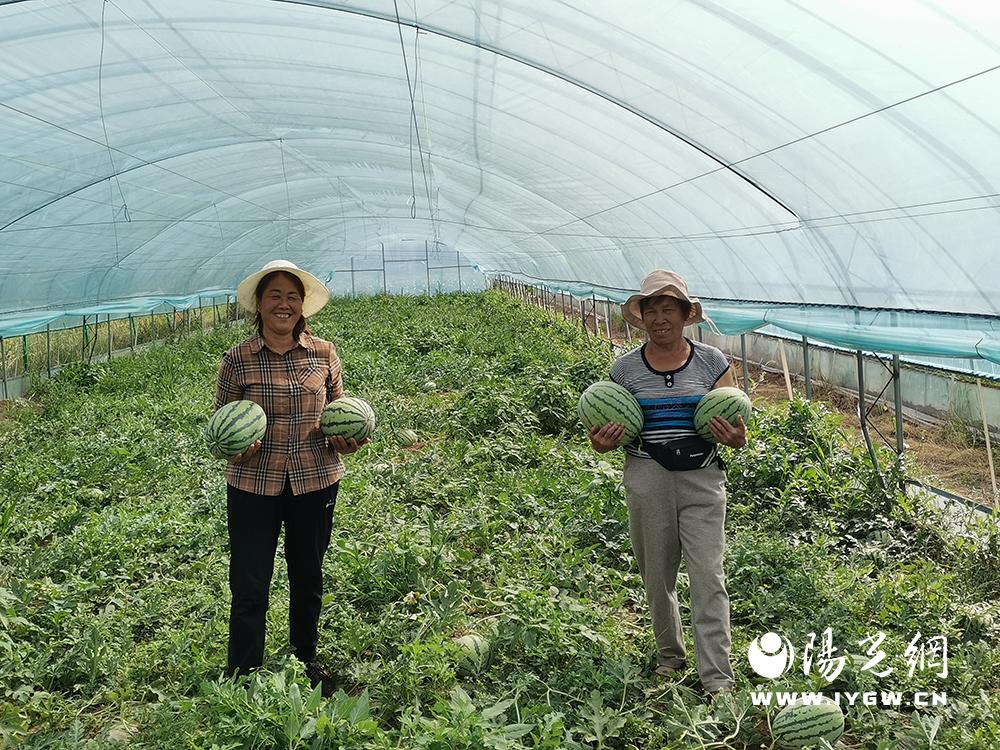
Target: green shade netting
{"x": 832, "y": 154}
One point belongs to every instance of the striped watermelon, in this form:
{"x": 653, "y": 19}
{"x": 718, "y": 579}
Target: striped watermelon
{"x": 800, "y": 724}
{"x": 605, "y": 402}
{"x": 234, "y": 428}
{"x": 727, "y": 403}
{"x": 475, "y": 653}
{"x": 348, "y": 417}
{"x": 407, "y": 438}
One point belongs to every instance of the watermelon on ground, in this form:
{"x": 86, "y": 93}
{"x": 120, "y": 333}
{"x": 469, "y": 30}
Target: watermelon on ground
{"x": 234, "y": 428}
{"x": 407, "y": 437}
{"x": 728, "y": 403}
{"x": 605, "y": 402}
{"x": 348, "y": 417}
{"x": 474, "y": 654}
{"x": 802, "y": 724}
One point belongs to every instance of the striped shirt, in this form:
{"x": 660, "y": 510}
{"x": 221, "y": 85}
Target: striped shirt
{"x": 668, "y": 397}
{"x": 292, "y": 388}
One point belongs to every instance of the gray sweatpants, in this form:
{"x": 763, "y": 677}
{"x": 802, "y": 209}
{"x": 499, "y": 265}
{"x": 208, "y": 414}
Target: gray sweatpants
{"x": 673, "y": 513}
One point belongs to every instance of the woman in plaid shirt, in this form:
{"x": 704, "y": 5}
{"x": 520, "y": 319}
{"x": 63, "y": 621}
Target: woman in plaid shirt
{"x": 290, "y": 477}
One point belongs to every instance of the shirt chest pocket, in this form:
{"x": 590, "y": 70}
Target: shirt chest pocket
{"x": 313, "y": 379}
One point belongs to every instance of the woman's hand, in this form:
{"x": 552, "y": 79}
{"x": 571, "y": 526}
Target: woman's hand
{"x": 345, "y": 446}
{"x": 607, "y": 438}
{"x": 241, "y": 457}
{"x": 733, "y": 435}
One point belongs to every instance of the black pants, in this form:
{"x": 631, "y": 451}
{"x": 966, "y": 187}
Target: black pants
{"x": 254, "y": 523}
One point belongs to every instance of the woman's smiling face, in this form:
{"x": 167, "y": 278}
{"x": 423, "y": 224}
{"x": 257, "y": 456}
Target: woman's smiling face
{"x": 664, "y": 318}
{"x": 280, "y": 305}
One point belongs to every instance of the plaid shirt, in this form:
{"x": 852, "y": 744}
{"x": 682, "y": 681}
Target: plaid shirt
{"x": 292, "y": 388}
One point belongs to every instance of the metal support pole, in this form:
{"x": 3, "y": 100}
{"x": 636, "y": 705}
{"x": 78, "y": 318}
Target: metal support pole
{"x": 897, "y": 396}
{"x": 48, "y": 349}
{"x": 607, "y": 318}
{"x": 863, "y": 414}
{"x": 3, "y": 359}
{"x": 385, "y": 288}
{"x": 83, "y": 346}
{"x": 458, "y": 262}
{"x": 806, "y": 371}
{"x": 743, "y": 359}
{"x": 583, "y": 316}
{"x": 989, "y": 445}
{"x": 134, "y": 333}
{"x": 427, "y": 265}
{"x": 628, "y": 331}
{"x": 24, "y": 353}
{"x": 109, "y": 337}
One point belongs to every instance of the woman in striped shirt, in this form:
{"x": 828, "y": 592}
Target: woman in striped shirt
{"x": 674, "y": 480}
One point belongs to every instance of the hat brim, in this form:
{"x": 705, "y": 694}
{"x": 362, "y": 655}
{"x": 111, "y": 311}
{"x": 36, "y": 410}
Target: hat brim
{"x": 633, "y": 314}
{"x": 316, "y": 293}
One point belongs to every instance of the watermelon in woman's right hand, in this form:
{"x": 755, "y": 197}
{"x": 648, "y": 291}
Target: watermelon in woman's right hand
{"x": 234, "y": 429}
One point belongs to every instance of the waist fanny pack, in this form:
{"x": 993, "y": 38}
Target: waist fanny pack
{"x": 685, "y": 454}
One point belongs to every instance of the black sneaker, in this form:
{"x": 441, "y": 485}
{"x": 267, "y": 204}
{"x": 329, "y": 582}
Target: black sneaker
{"x": 320, "y": 675}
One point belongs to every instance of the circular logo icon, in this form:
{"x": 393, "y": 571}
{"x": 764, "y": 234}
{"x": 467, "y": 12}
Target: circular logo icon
{"x": 770, "y": 655}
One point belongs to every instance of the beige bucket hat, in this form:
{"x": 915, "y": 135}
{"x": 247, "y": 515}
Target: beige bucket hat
{"x": 316, "y": 296}
{"x": 659, "y": 283}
